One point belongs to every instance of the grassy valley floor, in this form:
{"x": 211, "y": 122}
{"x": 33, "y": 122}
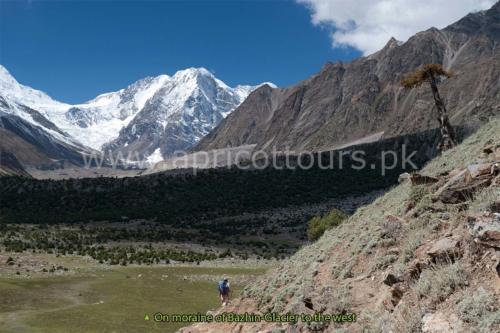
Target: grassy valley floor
{"x": 112, "y": 300}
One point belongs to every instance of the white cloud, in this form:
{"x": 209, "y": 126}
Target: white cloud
{"x": 368, "y": 24}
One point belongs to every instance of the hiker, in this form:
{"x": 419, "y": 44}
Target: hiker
{"x": 224, "y": 291}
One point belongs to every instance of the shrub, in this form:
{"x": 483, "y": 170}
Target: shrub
{"x": 440, "y": 281}
{"x": 406, "y": 319}
{"x": 417, "y": 193}
{"x": 318, "y": 225}
{"x": 341, "y": 301}
{"x": 412, "y": 242}
{"x": 479, "y": 308}
{"x": 382, "y": 262}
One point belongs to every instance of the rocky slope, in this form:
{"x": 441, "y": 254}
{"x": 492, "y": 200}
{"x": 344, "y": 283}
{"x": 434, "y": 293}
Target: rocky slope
{"x": 10, "y": 166}
{"x": 346, "y": 102}
{"x": 424, "y": 257}
{"x": 34, "y": 141}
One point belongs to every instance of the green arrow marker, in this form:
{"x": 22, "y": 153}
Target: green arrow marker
{"x": 146, "y": 317}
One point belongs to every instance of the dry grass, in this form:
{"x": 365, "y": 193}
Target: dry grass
{"x": 438, "y": 282}
{"x": 470, "y": 148}
{"x": 480, "y": 309}
{"x": 406, "y": 319}
{"x": 417, "y": 193}
{"x": 341, "y": 300}
{"x": 483, "y": 200}
{"x": 358, "y": 245}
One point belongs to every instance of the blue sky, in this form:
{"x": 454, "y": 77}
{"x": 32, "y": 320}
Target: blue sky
{"x": 75, "y": 50}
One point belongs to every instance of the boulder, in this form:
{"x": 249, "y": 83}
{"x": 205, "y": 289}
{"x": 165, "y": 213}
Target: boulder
{"x": 445, "y": 249}
{"x": 485, "y": 229}
{"x": 390, "y": 279}
{"x": 404, "y": 177}
{"x": 457, "y": 178}
{"x": 495, "y": 168}
{"x": 393, "y": 297}
{"x": 414, "y": 269}
{"x": 481, "y": 169}
{"x": 418, "y": 179}
{"x": 454, "y": 194}
{"x": 492, "y": 149}
{"x": 495, "y": 207}
{"x": 391, "y": 226}
{"x": 438, "y": 322}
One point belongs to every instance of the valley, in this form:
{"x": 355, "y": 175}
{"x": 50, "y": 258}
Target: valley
{"x": 82, "y": 301}
{"x": 266, "y": 234}
{"x": 331, "y": 204}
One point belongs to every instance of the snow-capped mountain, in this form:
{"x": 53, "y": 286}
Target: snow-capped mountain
{"x": 32, "y": 129}
{"x": 100, "y": 120}
{"x": 149, "y": 119}
{"x": 14, "y": 91}
{"x": 183, "y": 110}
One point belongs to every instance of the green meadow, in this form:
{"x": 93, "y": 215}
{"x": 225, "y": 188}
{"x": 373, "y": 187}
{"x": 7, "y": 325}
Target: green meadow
{"x": 114, "y": 300}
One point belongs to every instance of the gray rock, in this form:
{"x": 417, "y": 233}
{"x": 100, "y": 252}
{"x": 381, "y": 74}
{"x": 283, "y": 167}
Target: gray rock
{"x": 480, "y": 169}
{"x": 404, "y": 177}
{"x": 438, "y": 322}
{"x": 418, "y": 179}
{"x": 445, "y": 248}
{"x": 485, "y": 229}
{"x": 391, "y": 279}
{"x": 463, "y": 191}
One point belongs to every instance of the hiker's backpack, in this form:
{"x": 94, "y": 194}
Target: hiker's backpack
{"x": 223, "y": 287}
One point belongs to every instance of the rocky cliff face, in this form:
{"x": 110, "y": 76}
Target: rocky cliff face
{"x": 348, "y": 102}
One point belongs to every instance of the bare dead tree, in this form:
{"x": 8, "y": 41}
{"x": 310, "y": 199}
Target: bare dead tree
{"x": 430, "y": 73}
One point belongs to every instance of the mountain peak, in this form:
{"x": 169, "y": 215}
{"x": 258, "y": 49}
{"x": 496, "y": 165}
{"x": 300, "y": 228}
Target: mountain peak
{"x": 494, "y": 11}
{"x": 485, "y": 22}
{"x": 16, "y": 92}
{"x": 5, "y": 75}
{"x": 393, "y": 42}
{"x": 193, "y": 72}
{"x": 3, "y": 70}
{"x": 158, "y": 112}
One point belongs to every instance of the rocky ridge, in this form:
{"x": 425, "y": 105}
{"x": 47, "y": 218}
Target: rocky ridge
{"x": 425, "y": 257}
{"x": 346, "y": 102}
